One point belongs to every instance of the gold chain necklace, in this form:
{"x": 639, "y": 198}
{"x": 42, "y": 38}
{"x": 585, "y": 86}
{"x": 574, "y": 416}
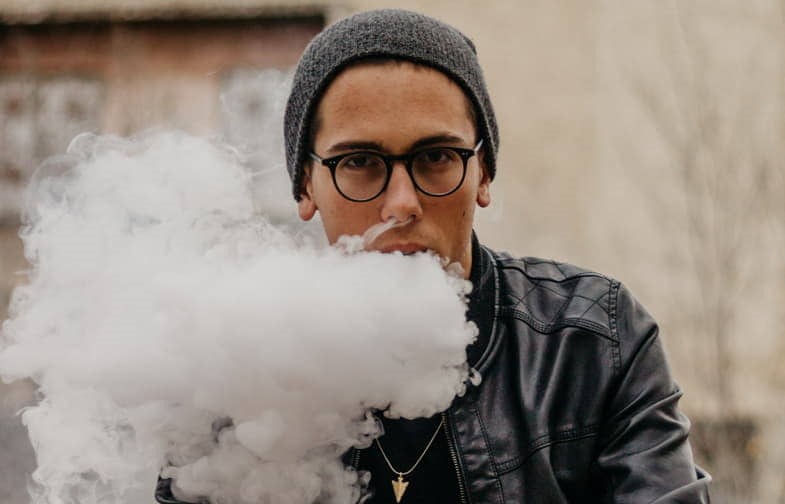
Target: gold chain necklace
{"x": 399, "y": 485}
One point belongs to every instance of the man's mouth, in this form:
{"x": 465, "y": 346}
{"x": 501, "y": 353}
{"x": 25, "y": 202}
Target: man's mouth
{"x": 404, "y": 248}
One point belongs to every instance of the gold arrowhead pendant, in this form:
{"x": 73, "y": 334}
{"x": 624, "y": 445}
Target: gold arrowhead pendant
{"x": 399, "y": 487}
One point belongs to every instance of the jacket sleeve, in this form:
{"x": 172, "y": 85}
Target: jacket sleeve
{"x": 645, "y": 454}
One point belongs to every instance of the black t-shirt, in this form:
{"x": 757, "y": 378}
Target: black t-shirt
{"x": 435, "y": 479}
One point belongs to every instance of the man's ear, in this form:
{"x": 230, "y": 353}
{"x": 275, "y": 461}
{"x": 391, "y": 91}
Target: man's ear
{"x": 484, "y": 189}
{"x": 306, "y": 207}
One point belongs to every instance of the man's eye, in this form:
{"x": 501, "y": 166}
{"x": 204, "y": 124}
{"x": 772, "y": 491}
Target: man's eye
{"x": 359, "y": 161}
{"x": 436, "y": 156}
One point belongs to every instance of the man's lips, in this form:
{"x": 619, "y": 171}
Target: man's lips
{"x": 404, "y": 248}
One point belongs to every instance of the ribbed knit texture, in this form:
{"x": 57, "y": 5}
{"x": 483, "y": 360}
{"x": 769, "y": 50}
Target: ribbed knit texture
{"x": 391, "y": 33}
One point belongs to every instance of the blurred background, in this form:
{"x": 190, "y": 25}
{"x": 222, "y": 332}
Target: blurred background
{"x": 640, "y": 138}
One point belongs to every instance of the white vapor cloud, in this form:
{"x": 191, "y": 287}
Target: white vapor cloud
{"x": 170, "y": 326}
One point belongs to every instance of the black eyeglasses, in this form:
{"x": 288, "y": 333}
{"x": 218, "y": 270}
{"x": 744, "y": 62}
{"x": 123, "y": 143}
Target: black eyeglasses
{"x": 435, "y": 171}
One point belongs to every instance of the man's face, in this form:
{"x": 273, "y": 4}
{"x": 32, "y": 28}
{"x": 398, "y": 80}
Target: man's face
{"x": 394, "y": 107}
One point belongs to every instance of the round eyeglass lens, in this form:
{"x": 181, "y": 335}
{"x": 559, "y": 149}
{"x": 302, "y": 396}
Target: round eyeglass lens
{"x": 361, "y": 176}
{"x": 438, "y": 171}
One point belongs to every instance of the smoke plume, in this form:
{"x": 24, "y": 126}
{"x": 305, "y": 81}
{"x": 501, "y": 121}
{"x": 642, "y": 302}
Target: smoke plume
{"x": 171, "y": 327}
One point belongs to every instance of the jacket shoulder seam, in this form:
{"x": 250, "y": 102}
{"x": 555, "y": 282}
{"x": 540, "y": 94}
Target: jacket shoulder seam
{"x": 544, "y": 328}
{"x": 613, "y": 301}
{"x": 509, "y": 263}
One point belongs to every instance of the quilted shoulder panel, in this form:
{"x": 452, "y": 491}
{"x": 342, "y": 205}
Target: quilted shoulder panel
{"x": 550, "y": 295}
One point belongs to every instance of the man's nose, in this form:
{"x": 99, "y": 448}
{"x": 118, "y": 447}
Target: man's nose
{"x": 401, "y": 199}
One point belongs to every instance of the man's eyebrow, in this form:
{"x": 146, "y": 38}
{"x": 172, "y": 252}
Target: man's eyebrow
{"x": 442, "y": 138}
{"x": 353, "y": 145}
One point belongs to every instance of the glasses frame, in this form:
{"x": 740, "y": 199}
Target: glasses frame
{"x": 389, "y": 160}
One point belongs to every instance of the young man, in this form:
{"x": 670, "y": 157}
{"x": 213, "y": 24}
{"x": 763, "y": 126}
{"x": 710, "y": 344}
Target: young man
{"x": 389, "y": 119}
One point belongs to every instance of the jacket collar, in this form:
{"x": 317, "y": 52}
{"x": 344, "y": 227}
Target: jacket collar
{"x": 483, "y": 302}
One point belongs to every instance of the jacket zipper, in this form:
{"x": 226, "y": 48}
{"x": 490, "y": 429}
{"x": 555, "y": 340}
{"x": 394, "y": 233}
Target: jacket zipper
{"x": 454, "y": 456}
{"x": 355, "y": 458}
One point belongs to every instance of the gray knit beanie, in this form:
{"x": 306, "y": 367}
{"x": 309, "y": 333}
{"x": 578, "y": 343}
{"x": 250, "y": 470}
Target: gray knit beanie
{"x": 386, "y": 33}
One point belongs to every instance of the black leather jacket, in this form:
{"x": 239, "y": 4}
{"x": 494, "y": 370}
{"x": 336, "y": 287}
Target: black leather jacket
{"x": 577, "y": 403}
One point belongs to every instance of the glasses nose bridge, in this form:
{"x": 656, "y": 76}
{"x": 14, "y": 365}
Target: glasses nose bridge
{"x": 405, "y": 161}
{"x": 401, "y": 194}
